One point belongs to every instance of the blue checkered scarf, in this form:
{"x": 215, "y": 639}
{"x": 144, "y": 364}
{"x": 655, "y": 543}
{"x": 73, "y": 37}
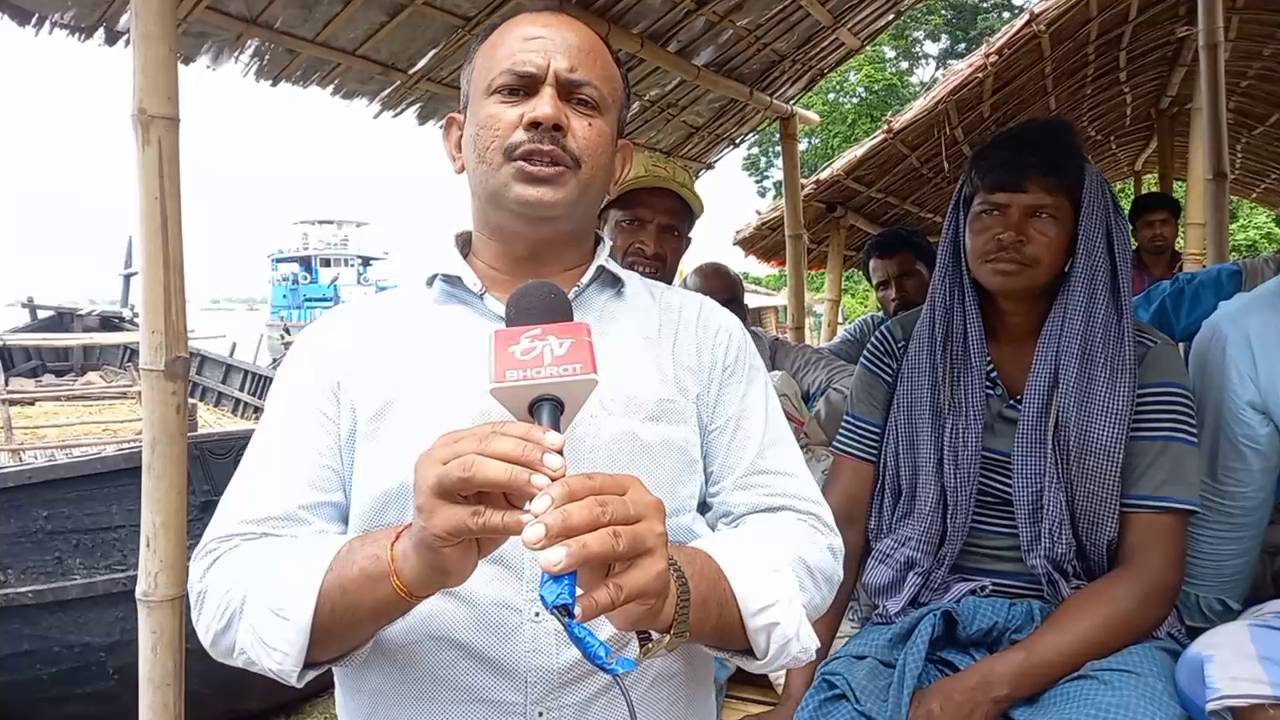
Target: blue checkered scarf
{"x": 1071, "y": 435}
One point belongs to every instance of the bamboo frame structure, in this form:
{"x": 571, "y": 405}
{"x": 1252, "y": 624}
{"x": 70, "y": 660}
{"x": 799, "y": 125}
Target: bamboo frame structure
{"x": 1164, "y": 152}
{"x": 165, "y": 366}
{"x": 1217, "y": 192}
{"x": 835, "y": 283}
{"x": 797, "y": 252}
{"x": 1193, "y": 252}
{"x": 703, "y": 78}
{"x": 1115, "y": 69}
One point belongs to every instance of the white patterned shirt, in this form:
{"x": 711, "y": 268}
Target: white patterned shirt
{"x": 684, "y": 403}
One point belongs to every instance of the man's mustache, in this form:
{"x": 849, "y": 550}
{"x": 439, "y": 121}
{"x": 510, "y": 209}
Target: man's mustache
{"x": 543, "y": 140}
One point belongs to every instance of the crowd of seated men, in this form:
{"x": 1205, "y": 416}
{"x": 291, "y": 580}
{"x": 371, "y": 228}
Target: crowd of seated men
{"x": 1048, "y": 509}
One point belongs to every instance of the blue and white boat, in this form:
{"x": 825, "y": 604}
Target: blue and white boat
{"x": 330, "y": 262}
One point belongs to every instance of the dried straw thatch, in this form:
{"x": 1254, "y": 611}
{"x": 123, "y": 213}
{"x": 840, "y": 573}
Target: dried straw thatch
{"x": 1110, "y": 65}
{"x": 705, "y": 74}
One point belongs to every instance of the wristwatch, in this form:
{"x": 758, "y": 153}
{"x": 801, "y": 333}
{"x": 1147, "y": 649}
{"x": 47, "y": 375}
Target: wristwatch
{"x": 652, "y": 646}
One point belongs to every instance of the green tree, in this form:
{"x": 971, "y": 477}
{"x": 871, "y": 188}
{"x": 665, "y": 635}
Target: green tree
{"x": 855, "y": 99}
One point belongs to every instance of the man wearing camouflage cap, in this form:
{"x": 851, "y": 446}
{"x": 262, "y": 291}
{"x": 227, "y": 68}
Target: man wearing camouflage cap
{"x": 649, "y": 218}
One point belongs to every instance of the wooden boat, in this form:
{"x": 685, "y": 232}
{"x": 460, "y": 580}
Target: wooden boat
{"x": 68, "y": 622}
{"x": 70, "y": 479}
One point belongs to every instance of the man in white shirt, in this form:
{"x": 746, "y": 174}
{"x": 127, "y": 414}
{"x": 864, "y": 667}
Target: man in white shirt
{"x": 369, "y": 527}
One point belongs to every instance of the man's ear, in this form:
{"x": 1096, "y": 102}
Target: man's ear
{"x": 622, "y": 158}
{"x": 453, "y": 126}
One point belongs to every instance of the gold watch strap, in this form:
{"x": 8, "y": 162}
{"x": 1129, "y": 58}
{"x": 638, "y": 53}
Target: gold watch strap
{"x": 651, "y": 645}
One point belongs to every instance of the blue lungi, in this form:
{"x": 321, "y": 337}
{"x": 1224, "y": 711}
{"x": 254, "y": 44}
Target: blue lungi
{"x": 874, "y": 676}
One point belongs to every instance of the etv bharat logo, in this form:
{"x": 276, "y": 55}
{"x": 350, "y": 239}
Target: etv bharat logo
{"x": 530, "y": 345}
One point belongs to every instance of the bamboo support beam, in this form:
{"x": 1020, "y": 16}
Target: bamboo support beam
{"x": 793, "y": 217}
{"x": 847, "y": 216}
{"x": 1137, "y": 183}
{"x": 1164, "y": 152}
{"x": 629, "y": 42}
{"x": 1193, "y": 253}
{"x": 824, "y": 16}
{"x": 165, "y": 365}
{"x": 835, "y": 282}
{"x": 1217, "y": 161}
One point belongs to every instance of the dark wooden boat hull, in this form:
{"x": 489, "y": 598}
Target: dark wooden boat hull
{"x": 68, "y": 621}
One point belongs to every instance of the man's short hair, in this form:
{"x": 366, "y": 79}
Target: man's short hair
{"x": 529, "y": 8}
{"x": 1151, "y": 202}
{"x": 893, "y": 241}
{"x": 1046, "y": 151}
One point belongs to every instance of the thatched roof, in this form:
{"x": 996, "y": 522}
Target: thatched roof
{"x": 704, "y": 73}
{"x": 1110, "y": 65}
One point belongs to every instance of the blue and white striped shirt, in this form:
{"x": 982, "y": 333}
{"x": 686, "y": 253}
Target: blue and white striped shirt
{"x": 1159, "y": 464}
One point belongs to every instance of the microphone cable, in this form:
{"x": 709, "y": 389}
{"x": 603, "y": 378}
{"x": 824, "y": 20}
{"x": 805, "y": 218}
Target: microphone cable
{"x": 561, "y": 614}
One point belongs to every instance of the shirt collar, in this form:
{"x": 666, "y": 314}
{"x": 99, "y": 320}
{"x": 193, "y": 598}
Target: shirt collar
{"x": 455, "y": 267}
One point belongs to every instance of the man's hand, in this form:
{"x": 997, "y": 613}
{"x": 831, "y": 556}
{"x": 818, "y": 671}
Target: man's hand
{"x": 968, "y": 695}
{"x": 614, "y": 532}
{"x": 470, "y": 489}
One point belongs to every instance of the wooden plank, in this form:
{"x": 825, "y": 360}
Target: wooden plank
{"x": 232, "y": 392}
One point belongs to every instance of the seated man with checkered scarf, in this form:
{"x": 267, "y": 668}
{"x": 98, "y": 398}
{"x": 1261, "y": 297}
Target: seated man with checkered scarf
{"x": 1016, "y": 468}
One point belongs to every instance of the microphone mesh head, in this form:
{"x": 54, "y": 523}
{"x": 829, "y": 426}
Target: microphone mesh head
{"x": 538, "y": 302}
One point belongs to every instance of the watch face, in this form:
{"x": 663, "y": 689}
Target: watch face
{"x": 655, "y": 648}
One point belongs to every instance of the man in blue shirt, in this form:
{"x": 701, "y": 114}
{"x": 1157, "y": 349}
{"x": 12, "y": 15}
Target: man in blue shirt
{"x": 1177, "y": 307}
{"x": 1235, "y": 375}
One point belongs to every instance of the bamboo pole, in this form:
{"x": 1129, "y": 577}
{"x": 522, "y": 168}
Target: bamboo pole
{"x": 793, "y": 219}
{"x": 1137, "y": 183}
{"x": 1217, "y": 194}
{"x": 1193, "y": 253}
{"x": 835, "y": 282}
{"x": 1164, "y": 151}
{"x": 165, "y": 366}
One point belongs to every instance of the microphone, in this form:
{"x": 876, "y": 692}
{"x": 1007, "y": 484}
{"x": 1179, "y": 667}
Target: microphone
{"x": 544, "y": 365}
{"x": 543, "y": 369}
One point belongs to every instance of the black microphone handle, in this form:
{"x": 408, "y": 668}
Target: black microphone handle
{"x": 546, "y": 411}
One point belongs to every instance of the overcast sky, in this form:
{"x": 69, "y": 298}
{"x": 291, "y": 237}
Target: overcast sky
{"x": 254, "y": 159}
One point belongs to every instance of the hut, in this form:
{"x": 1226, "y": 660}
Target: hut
{"x": 1173, "y": 88}
{"x": 704, "y": 75}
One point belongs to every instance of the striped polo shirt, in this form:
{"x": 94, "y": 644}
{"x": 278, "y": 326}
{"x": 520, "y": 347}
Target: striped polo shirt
{"x": 1160, "y": 470}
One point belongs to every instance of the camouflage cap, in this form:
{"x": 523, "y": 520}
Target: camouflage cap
{"x": 651, "y": 169}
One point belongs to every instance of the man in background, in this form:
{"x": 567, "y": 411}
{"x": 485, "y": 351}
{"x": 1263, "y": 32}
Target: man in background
{"x": 1235, "y": 375}
{"x": 824, "y": 381}
{"x": 1154, "y": 217}
{"x": 650, "y": 215}
{"x": 898, "y": 263}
